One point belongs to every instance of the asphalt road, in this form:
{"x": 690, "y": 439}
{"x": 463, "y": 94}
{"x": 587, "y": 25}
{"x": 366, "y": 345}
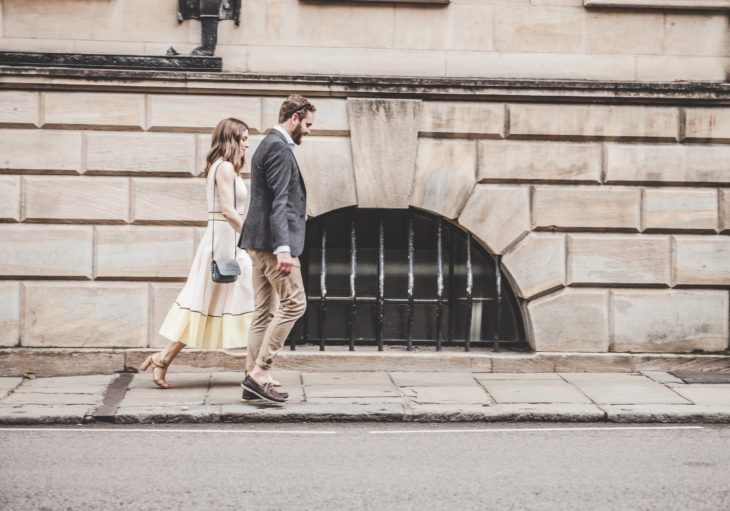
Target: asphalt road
{"x": 366, "y": 466}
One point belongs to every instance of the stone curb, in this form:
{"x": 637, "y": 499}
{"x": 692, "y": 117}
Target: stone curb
{"x": 393, "y": 412}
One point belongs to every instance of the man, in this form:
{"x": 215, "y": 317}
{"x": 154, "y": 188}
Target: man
{"x": 273, "y": 235}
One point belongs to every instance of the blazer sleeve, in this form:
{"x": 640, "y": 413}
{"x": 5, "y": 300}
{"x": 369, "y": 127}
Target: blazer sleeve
{"x": 279, "y": 168}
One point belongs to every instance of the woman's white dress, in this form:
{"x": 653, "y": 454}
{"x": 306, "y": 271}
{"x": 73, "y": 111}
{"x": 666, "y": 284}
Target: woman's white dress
{"x": 206, "y": 314}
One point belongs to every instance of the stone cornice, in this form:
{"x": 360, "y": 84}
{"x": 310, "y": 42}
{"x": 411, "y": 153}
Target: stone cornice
{"x": 698, "y": 5}
{"x": 464, "y": 89}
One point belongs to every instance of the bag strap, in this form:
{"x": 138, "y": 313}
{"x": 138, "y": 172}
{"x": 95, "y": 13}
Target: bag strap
{"x": 235, "y": 207}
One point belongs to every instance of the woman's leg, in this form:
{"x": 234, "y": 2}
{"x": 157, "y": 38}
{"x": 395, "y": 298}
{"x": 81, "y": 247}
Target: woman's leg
{"x": 160, "y": 362}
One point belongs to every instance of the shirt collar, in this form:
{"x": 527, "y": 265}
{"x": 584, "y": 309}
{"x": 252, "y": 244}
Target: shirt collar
{"x": 287, "y": 137}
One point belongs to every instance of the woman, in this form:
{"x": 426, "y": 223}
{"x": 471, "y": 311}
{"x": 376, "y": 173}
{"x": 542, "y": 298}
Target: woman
{"x": 206, "y": 314}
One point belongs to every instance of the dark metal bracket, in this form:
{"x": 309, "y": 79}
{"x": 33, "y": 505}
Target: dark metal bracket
{"x": 209, "y": 12}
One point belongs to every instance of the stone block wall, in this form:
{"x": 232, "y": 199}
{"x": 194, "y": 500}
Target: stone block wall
{"x": 657, "y": 40}
{"x": 611, "y": 220}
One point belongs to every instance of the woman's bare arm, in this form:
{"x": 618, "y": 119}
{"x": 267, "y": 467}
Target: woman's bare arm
{"x": 224, "y": 179}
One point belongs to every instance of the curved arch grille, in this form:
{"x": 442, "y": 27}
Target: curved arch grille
{"x": 402, "y": 277}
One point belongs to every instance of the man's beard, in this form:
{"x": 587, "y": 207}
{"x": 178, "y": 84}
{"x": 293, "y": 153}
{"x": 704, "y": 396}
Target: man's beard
{"x": 296, "y": 135}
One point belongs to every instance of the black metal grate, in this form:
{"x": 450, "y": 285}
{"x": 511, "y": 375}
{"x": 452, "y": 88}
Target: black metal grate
{"x": 402, "y": 277}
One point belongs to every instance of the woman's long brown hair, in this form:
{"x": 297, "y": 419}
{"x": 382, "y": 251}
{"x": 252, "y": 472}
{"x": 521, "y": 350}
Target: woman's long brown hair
{"x": 226, "y": 144}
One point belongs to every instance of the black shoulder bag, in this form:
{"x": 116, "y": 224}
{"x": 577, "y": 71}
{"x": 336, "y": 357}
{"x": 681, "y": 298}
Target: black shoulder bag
{"x": 223, "y": 271}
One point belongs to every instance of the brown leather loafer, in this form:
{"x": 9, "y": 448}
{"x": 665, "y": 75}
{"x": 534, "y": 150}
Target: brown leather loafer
{"x": 265, "y": 391}
{"x": 248, "y": 395}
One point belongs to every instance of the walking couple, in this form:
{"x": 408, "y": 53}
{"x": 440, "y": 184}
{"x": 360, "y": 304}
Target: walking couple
{"x": 260, "y": 308}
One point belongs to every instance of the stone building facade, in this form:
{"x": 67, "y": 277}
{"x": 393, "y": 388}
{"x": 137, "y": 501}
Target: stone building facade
{"x": 584, "y": 143}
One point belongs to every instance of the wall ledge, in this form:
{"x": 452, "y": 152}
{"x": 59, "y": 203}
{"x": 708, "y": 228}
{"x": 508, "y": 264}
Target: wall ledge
{"x": 463, "y": 89}
{"x": 694, "y": 5}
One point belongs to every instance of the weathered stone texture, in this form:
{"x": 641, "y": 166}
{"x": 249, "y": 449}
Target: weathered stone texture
{"x": 85, "y": 316}
{"x": 679, "y": 208}
{"x": 131, "y": 20}
{"x": 670, "y": 68}
{"x": 593, "y": 122}
{"x": 9, "y": 314}
{"x": 463, "y": 26}
{"x": 559, "y": 66}
{"x": 169, "y": 200}
{"x": 702, "y": 260}
{"x": 143, "y": 251}
{"x": 570, "y": 320}
{"x": 537, "y": 29}
{"x": 384, "y": 142}
{"x": 628, "y": 32}
{"x": 40, "y": 150}
{"x": 163, "y": 296}
{"x": 539, "y": 161}
{"x": 47, "y": 251}
{"x": 331, "y": 116}
{"x": 134, "y": 153}
{"x": 725, "y": 210}
{"x": 19, "y": 108}
{"x": 618, "y": 259}
{"x": 167, "y": 112}
{"x": 669, "y": 320}
{"x": 445, "y": 175}
{"x": 94, "y": 110}
{"x": 498, "y": 215}
{"x": 478, "y": 120}
{"x": 9, "y": 198}
{"x": 586, "y": 207}
{"x": 707, "y": 124}
{"x": 76, "y": 198}
{"x": 536, "y": 264}
{"x": 696, "y": 33}
{"x": 667, "y": 164}
{"x": 327, "y": 169}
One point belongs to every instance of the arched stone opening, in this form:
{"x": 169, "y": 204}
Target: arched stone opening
{"x": 403, "y": 277}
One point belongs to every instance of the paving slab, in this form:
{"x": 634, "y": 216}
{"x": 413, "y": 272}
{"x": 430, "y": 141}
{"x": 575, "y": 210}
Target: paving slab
{"x": 354, "y": 400}
{"x": 517, "y": 376}
{"x": 608, "y": 389}
{"x": 175, "y": 380}
{"x": 38, "y": 398}
{"x": 66, "y": 382}
{"x": 39, "y": 414}
{"x": 403, "y": 379}
{"x": 535, "y": 391}
{"x": 661, "y": 377}
{"x": 447, "y": 395}
{"x": 668, "y": 413}
{"x": 347, "y": 378}
{"x": 705, "y": 394}
{"x": 160, "y": 397}
{"x": 8, "y": 384}
{"x": 167, "y": 414}
{"x": 350, "y": 391}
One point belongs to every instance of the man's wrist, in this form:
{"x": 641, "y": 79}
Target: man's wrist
{"x": 282, "y": 248}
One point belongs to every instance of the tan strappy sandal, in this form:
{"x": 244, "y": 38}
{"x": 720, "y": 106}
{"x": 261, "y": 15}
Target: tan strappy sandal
{"x": 156, "y": 363}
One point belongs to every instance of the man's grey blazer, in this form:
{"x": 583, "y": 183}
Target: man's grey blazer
{"x": 278, "y": 206}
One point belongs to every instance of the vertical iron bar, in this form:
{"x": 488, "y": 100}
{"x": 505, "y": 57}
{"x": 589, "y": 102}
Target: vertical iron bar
{"x": 452, "y": 289}
{"x": 498, "y": 322}
{"x": 409, "y": 327}
{"x": 469, "y": 282}
{"x": 323, "y": 290}
{"x": 439, "y": 283}
{"x": 353, "y": 275}
{"x": 381, "y": 283}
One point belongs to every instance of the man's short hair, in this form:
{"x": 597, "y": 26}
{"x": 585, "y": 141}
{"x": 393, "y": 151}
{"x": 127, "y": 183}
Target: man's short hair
{"x": 295, "y": 104}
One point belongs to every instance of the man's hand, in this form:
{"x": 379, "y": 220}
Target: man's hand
{"x": 284, "y": 262}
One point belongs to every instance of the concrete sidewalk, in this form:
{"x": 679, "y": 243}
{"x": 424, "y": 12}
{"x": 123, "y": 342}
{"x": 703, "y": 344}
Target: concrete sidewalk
{"x": 128, "y": 398}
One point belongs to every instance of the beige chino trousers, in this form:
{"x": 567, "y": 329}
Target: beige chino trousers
{"x": 278, "y": 302}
